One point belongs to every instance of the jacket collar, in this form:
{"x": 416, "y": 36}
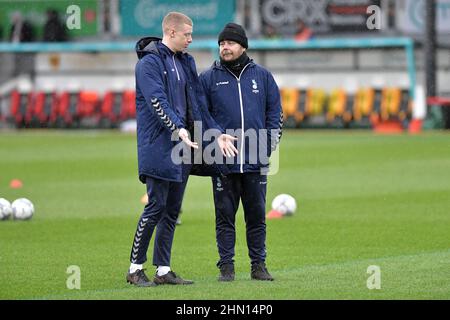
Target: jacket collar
{"x": 153, "y": 45}
{"x": 147, "y": 45}
{"x": 217, "y": 65}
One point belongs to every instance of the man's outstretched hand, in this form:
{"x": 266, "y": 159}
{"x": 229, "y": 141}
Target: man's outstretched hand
{"x": 184, "y": 135}
{"x": 226, "y": 144}
{"x": 225, "y": 141}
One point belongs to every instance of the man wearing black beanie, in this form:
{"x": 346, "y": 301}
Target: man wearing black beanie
{"x": 243, "y": 96}
{"x": 234, "y": 32}
{"x": 232, "y": 43}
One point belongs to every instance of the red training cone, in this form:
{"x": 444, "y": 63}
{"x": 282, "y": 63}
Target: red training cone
{"x": 274, "y": 214}
{"x": 15, "y": 184}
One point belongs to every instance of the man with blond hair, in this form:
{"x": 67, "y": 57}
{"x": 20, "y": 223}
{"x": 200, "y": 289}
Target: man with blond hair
{"x": 168, "y": 101}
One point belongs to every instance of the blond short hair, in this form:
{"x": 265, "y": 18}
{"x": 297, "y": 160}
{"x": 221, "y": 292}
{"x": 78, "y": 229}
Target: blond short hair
{"x": 175, "y": 19}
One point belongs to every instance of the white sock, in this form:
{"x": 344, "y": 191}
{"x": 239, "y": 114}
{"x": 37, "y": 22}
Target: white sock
{"x": 135, "y": 267}
{"x": 162, "y": 270}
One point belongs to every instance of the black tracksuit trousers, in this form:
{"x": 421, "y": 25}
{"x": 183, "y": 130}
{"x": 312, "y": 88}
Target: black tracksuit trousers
{"x": 228, "y": 191}
{"x": 161, "y": 212}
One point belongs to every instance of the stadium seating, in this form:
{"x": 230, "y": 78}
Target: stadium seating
{"x": 40, "y": 109}
{"x": 64, "y": 115}
{"x": 306, "y": 108}
{"x": 315, "y": 102}
{"x": 117, "y": 107}
{"x": 338, "y": 109}
{"x": 88, "y": 109}
{"x": 291, "y": 112}
{"x": 19, "y": 104}
{"x": 364, "y": 104}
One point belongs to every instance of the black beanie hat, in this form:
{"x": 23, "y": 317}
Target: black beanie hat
{"x": 234, "y": 32}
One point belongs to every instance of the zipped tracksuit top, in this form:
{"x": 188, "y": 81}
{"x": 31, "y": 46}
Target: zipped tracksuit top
{"x": 249, "y": 102}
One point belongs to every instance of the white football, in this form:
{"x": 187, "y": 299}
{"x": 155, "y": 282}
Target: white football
{"x": 5, "y": 209}
{"x": 284, "y": 204}
{"x": 22, "y": 209}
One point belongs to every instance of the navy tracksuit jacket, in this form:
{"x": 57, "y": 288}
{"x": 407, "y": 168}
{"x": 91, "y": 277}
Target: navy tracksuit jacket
{"x": 169, "y": 96}
{"x": 250, "y": 105}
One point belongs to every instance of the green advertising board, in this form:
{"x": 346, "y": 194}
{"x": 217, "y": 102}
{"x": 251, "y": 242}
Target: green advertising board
{"x": 34, "y": 11}
{"x": 144, "y": 17}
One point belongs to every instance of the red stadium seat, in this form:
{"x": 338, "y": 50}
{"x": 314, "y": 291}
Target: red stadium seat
{"x": 19, "y": 103}
{"x": 128, "y": 105}
{"x": 87, "y": 104}
{"x": 42, "y": 105}
{"x": 117, "y": 107}
{"x": 65, "y": 114}
{"x": 108, "y": 106}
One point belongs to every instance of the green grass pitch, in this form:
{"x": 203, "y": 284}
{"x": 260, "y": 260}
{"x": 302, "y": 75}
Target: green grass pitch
{"x": 363, "y": 200}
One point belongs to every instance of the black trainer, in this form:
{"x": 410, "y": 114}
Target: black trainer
{"x": 139, "y": 278}
{"x": 170, "y": 278}
{"x": 226, "y": 272}
{"x": 259, "y": 272}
